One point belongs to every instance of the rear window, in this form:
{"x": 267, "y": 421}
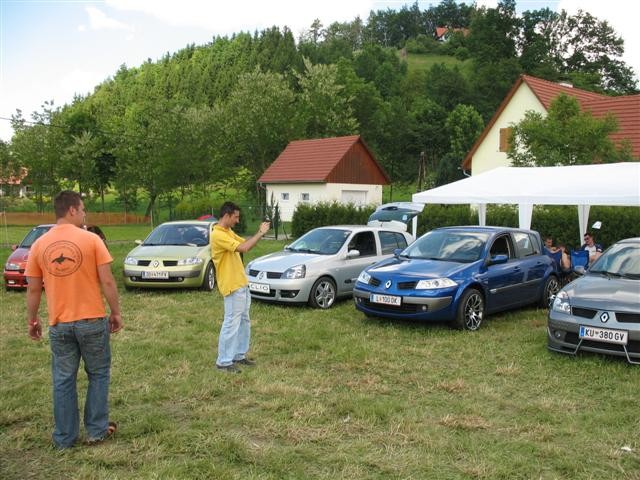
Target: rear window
{"x": 390, "y": 241}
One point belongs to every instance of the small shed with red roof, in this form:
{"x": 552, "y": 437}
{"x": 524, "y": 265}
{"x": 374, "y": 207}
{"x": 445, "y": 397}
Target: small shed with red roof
{"x": 341, "y": 169}
{"x": 536, "y": 94}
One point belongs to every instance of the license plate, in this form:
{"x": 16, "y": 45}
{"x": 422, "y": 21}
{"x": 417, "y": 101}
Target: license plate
{"x": 160, "y": 274}
{"x": 259, "y": 287}
{"x": 385, "y": 299}
{"x": 604, "y": 335}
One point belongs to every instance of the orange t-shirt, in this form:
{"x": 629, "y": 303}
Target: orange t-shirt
{"x": 67, "y": 259}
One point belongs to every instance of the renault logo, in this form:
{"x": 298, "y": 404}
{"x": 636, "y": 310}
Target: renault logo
{"x": 260, "y": 275}
{"x": 604, "y": 318}
{"x": 387, "y": 284}
{"x": 155, "y": 264}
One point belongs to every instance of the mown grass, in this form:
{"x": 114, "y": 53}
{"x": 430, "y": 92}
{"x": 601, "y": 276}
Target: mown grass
{"x": 334, "y": 396}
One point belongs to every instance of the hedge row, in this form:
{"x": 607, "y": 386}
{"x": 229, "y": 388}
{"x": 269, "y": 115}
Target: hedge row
{"x": 559, "y": 222}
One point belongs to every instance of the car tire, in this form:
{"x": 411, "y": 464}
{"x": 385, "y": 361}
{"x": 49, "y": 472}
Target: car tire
{"x": 470, "y": 311}
{"x": 209, "y": 280}
{"x": 323, "y": 293}
{"x": 549, "y": 292}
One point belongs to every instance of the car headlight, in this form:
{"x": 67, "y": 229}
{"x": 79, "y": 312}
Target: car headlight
{"x": 561, "y": 303}
{"x": 11, "y": 266}
{"x": 190, "y": 261}
{"x": 364, "y": 277}
{"x": 299, "y": 271}
{"x": 131, "y": 261}
{"x": 435, "y": 283}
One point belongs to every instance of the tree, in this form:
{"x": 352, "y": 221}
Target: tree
{"x": 257, "y": 123}
{"x": 324, "y": 108}
{"x": 464, "y": 125}
{"x": 566, "y": 136}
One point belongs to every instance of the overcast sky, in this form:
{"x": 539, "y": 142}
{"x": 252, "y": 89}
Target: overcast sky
{"x": 51, "y": 49}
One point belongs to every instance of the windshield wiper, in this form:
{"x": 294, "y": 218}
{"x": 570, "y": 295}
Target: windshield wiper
{"x": 606, "y": 273}
{"x": 634, "y": 276}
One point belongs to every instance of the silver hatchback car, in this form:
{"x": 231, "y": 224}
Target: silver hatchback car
{"x": 600, "y": 311}
{"x": 323, "y": 264}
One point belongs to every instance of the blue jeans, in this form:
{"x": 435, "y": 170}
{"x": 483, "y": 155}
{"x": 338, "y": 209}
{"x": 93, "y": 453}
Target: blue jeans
{"x": 233, "y": 342}
{"x": 89, "y": 340}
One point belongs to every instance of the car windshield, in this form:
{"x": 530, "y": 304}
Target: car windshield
{"x": 447, "y": 245}
{"x": 32, "y": 236}
{"x": 179, "y": 234}
{"x": 325, "y": 241}
{"x": 622, "y": 259}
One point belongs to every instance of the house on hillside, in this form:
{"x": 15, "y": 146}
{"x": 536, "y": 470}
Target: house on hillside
{"x": 531, "y": 93}
{"x": 444, "y": 33}
{"x": 14, "y": 185}
{"x": 341, "y": 169}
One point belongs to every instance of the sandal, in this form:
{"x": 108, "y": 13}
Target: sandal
{"x": 112, "y": 428}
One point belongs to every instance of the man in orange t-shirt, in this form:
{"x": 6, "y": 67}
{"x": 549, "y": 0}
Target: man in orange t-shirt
{"x": 75, "y": 264}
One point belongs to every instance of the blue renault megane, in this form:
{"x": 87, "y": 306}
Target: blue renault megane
{"x": 459, "y": 274}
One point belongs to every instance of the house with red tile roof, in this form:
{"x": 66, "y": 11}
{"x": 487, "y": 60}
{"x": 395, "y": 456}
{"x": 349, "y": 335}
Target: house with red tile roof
{"x": 531, "y": 93}
{"x": 340, "y": 169}
{"x": 14, "y": 185}
{"x": 443, "y": 33}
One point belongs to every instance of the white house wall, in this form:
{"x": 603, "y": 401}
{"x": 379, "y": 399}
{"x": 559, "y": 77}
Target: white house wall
{"x": 488, "y": 155}
{"x": 320, "y": 192}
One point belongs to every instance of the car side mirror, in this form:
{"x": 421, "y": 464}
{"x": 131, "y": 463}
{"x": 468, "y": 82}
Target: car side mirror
{"x": 286, "y": 247}
{"x": 397, "y": 252}
{"x": 138, "y": 242}
{"x": 14, "y": 247}
{"x": 498, "y": 259}
{"x": 353, "y": 253}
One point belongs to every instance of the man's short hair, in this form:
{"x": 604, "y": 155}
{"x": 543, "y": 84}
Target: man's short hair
{"x": 64, "y": 201}
{"x": 228, "y": 208}
{"x": 588, "y": 234}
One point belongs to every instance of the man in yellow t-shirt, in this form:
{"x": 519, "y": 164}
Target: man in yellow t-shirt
{"x": 75, "y": 266}
{"x": 226, "y": 247}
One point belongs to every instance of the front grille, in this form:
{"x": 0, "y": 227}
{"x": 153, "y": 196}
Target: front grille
{"x": 628, "y": 317}
{"x": 170, "y": 263}
{"x": 144, "y": 263}
{"x": 407, "y": 285}
{"x": 275, "y": 275}
{"x": 158, "y": 280}
{"x": 403, "y": 308}
{"x": 632, "y": 347}
{"x": 583, "y": 312}
{"x": 374, "y": 282}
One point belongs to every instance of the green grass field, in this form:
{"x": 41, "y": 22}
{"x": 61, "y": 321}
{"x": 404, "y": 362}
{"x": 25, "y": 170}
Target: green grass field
{"x": 334, "y": 396}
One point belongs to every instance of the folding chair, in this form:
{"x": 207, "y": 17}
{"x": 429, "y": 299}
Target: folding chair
{"x": 579, "y": 258}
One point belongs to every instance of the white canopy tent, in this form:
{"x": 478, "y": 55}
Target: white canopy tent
{"x": 615, "y": 184}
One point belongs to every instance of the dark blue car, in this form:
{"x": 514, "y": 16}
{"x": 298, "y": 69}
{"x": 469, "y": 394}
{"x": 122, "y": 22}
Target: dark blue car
{"x": 459, "y": 274}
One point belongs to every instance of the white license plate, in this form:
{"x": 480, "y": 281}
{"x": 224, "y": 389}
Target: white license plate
{"x": 604, "y": 335}
{"x": 385, "y": 299}
{"x": 259, "y": 287}
{"x": 156, "y": 274}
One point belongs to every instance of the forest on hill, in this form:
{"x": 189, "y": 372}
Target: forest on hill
{"x": 218, "y": 114}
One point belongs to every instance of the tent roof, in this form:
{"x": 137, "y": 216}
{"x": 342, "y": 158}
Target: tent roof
{"x": 602, "y": 184}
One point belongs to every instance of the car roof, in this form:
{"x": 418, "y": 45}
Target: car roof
{"x": 204, "y": 223}
{"x": 630, "y": 240}
{"x": 362, "y": 228}
{"x": 485, "y": 229}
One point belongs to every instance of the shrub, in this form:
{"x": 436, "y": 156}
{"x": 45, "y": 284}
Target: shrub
{"x": 307, "y": 217}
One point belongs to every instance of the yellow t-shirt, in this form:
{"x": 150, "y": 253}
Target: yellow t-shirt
{"x": 230, "y": 274}
{"x": 67, "y": 259}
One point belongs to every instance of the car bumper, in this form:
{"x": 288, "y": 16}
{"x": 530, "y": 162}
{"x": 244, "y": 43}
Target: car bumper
{"x": 287, "y": 291}
{"x": 15, "y": 279}
{"x": 177, "y": 279}
{"x": 563, "y": 336}
{"x": 416, "y": 308}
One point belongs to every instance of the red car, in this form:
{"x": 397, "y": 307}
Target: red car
{"x": 17, "y": 262}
